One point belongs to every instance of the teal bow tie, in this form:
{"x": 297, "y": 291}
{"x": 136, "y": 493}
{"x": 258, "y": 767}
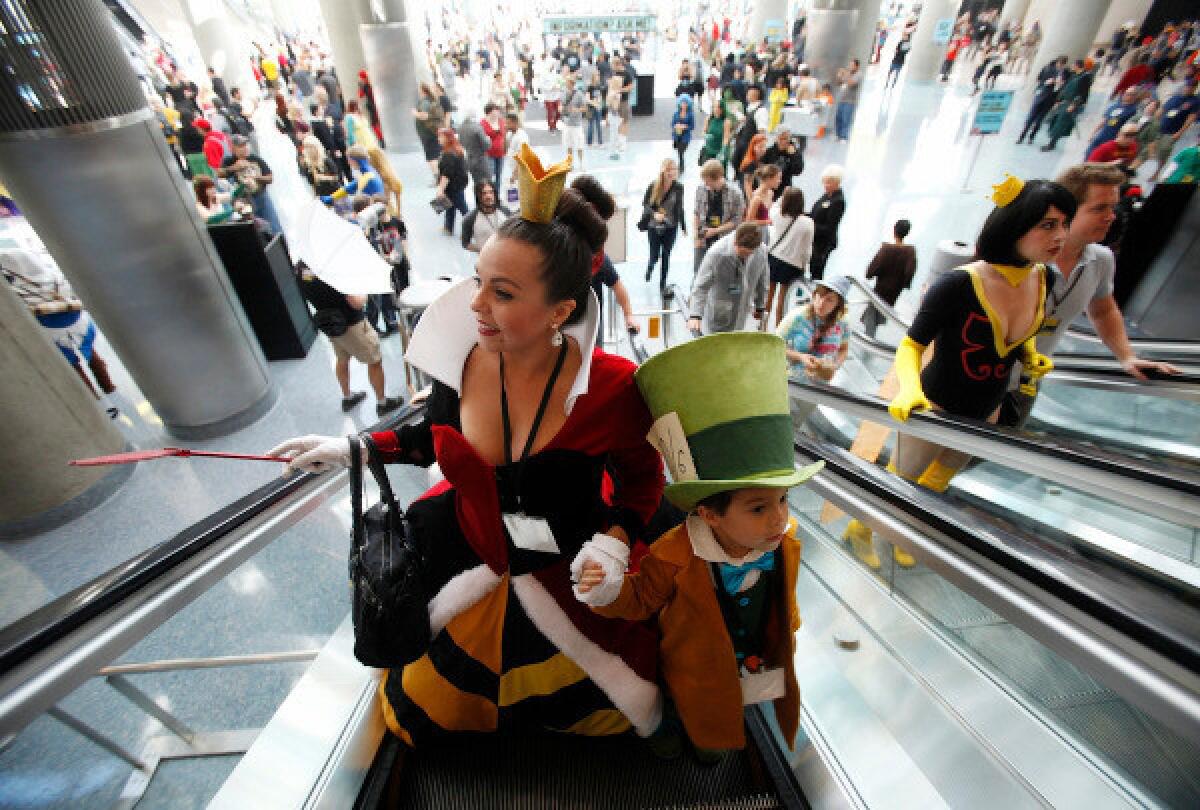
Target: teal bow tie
{"x": 732, "y": 576}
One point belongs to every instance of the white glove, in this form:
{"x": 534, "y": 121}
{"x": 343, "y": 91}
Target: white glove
{"x": 613, "y": 556}
{"x": 315, "y": 454}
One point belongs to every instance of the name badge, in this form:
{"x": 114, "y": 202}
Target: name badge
{"x": 735, "y": 289}
{"x": 759, "y": 687}
{"x": 530, "y": 533}
{"x": 825, "y": 204}
{"x": 1048, "y": 325}
{"x": 714, "y": 221}
{"x": 1172, "y": 113}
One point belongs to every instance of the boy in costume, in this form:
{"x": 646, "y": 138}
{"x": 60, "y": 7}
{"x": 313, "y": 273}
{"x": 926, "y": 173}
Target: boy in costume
{"x": 722, "y": 583}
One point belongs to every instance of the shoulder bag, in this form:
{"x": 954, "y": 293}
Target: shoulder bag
{"x": 389, "y": 607}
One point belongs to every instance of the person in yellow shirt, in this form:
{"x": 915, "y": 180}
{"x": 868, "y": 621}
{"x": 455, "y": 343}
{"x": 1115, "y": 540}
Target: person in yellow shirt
{"x": 778, "y": 100}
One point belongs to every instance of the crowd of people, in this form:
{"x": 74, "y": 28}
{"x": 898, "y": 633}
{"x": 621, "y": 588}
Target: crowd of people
{"x": 523, "y": 549}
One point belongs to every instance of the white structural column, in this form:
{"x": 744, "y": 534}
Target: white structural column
{"x": 224, "y": 45}
{"x": 925, "y": 58}
{"x": 863, "y": 38}
{"x": 1073, "y": 27}
{"x": 768, "y": 10}
{"x": 1013, "y": 11}
{"x": 342, "y": 21}
{"x": 838, "y": 31}
{"x": 1122, "y": 12}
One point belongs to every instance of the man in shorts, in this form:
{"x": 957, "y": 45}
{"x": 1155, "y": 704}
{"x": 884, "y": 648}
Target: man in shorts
{"x": 621, "y": 68}
{"x": 340, "y": 317}
{"x": 575, "y": 107}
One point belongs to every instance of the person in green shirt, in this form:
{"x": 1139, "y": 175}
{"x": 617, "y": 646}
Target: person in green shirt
{"x": 717, "y": 134}
{"x": 1187, "y": 166}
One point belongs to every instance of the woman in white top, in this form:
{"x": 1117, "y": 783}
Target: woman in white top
{"x": 790, "y": 247}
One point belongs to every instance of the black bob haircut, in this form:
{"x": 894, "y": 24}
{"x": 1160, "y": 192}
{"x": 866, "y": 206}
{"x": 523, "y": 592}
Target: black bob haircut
{"x": 997, "y": 242}
{"x": 569, "y": 241}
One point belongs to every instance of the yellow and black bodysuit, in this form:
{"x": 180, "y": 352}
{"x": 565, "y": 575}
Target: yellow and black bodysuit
{"x": 972, "y": 361}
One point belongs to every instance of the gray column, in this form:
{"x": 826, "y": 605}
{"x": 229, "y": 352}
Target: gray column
{"x": 1013, "y": 11}
{"x": 388, "y": 50}
{"x": 838, "y": 31}
{"x": 49, "y": 418}
{"x": 224, "y": 45}
{"x": 89, "y": 166}
{"x": 768, "y": 10}
{"x": 342, "y": 21}
{"x": 1073, "y": 28}
{"x": 925, "y": 58}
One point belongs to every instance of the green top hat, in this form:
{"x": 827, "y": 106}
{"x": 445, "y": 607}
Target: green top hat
{"x": 729, "y": 392}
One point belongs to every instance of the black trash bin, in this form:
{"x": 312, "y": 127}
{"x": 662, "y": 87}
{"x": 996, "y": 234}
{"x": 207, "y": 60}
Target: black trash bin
{"x": 643, "y": 91}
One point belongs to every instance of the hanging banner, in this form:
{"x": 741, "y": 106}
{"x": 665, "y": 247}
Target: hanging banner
{"x": 942, "y": 31}
{"x": 562, "y": 24}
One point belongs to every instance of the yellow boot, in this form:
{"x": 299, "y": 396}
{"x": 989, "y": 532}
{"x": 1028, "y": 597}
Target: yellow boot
{"x": 858, "y": 535}
{"x": 903, "y": 558}
{"x": 936, "y": 477}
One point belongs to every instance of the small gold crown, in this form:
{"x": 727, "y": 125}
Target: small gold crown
{"x": 539, "y": 189}
{"x": 1006, "y": 192}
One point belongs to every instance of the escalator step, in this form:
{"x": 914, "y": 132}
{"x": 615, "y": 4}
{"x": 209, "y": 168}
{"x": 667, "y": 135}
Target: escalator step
{"x": 564, "y": 771}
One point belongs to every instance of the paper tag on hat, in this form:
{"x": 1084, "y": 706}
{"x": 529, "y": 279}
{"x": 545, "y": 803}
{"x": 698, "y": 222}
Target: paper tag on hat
{"x": 668, "y": 438}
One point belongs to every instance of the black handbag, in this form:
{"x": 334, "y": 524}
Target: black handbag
{"x": 389, "y": 608}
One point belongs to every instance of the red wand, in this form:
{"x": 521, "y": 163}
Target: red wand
{"x": 166, "y": 452}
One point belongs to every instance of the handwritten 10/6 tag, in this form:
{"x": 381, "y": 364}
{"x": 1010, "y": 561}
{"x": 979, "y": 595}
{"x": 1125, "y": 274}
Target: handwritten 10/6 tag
{"x": 668, "y": 438}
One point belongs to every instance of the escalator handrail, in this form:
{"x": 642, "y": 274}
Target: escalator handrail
{"x": 1155, "y": 622}
{"x": 1149, "y": 347}
{"x": 1169, "y": 492}
{"x": 1088, "y": 372}
{"x": 1064, "y": 575}
{"x": 24, "y": 640}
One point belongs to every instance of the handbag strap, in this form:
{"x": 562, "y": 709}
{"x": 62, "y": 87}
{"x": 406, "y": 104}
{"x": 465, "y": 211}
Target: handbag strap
{"x": 375, "y": 464}
{"x": 785, "y": 233}
{"x": 357, "y": 529}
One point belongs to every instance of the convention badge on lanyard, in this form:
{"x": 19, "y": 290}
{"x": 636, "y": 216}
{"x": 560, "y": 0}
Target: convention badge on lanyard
{"x": 529, "y": 533}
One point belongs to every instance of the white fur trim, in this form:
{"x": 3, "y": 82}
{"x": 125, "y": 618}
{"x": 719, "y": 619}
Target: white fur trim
{"x": 636, "y": 698}
{"x": 460, "y": 594}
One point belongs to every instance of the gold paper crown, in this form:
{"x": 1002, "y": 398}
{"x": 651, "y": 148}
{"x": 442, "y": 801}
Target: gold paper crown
{"x": 538, "y": 189}
{"x": 1006, "y": 192}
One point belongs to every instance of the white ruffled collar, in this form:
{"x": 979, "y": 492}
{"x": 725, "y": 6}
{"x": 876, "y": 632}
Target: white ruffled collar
{"x": 706, "y": 547}
{"x": 447, "y": 333}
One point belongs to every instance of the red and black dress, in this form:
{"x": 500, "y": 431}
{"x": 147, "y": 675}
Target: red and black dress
{"x": 512, "y": 647}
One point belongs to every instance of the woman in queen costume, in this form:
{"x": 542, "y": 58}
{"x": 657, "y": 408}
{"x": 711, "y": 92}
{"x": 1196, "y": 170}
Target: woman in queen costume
{"x": 525, "y": 416}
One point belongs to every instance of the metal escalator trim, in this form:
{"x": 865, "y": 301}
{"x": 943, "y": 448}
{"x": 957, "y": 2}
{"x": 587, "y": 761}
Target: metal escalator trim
{"x": 1145, "y": 347}
{"x": 1156, "y": 488}
{"x": 1089, "y": 372}
{"x": 1125, "y": 661}
{"x": 1089, "y": 539}
{"x": 787, "y": 787}
{"x": 1145, "y": 610}
{"x": 59, "y": 646}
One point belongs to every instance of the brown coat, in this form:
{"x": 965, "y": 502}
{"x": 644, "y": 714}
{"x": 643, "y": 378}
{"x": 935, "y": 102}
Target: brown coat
{"x": 696, "y": 652}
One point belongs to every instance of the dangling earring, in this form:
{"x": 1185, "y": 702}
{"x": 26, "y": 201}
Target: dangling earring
{"x": 556, "y": 338}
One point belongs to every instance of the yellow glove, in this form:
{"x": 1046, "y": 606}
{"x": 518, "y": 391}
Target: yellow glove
{"x": 1036, "y": 365}
{"x": 908, "y": 370}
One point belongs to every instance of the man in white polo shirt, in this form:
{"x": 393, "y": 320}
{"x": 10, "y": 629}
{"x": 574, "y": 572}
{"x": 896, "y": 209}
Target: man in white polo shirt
{"x": 1084, "y": 282}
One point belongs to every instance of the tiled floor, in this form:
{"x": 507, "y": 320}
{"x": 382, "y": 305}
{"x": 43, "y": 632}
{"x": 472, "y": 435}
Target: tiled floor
{"x": 909, "y": 157}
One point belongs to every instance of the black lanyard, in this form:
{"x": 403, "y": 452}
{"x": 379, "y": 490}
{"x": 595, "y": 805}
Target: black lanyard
{"x": 541, "y": 411}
